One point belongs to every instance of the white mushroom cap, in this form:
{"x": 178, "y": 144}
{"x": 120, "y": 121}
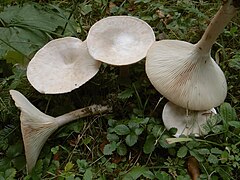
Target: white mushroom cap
{"x": 61, "y": 65}
{"x": 186, "y": 123}
{"x": 186, "y": 77}
{"x": 120, "y": 40}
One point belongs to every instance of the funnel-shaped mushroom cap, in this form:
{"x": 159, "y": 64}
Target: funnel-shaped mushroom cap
{"x": 120, "y": 40}
{"x": 36, "y": 128}
{"x": 185, "y": 76}
{"x": 61, "y": 65}
{"x": 187, "y": 123}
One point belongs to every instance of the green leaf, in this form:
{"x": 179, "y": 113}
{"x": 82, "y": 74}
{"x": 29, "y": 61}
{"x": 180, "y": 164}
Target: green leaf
{"x": 135, "y": 173}
{"x": 10, "y": 174}
{"x": 149, "y": 144}
{"x": 148, "y": 174}
{"x": 227, "y": 112}
{"x": 216, "y": 151}
{"x": 138, "y": 131}
{"x": 19, "y": 162}
{"x": 203, "y": 151}
{"x": 235, "y": 62}
{"x": 235, "y": 124}
{"x": 112, "y": 137}
{"x": 122, "y": 129}
{"x": 122, "y": 149}
{"x": 68, "y": 166}
{"x": 182, "y": 152}
{"x": 212, "y": 159}
{"x": 15, "y": 150}
{"x": 86, "y": 8}
{"x": 82, "y": 165}
{"x": 162, "y": 175}
{"x": 109, "y": 148}
{"x": 126, "y": 94}
{"x": 88, "y": 174}
{"x": 131, "y": 139}
{"x": 55, "y": 149}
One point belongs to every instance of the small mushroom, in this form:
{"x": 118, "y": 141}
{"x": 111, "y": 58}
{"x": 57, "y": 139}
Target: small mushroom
{"x": 61, "y": 65}
{"x": 120, "y": 40}
{"x": 36, "y": 126}
{"x": 186, "y": 122}
{"x": 185, "y": 73}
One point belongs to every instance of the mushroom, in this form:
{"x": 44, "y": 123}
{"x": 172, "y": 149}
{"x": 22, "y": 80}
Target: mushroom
{"x": 120, "y": 40}
{"x": 61, "y": 65}
{"x": 186, "y": 122}
{"x": 185, "y": 73}
{"x": 36, "y": 126}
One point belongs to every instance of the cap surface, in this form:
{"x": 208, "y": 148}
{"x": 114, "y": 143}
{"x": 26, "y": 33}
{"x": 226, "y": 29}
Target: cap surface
{"x": 120, "y": 40}
{"x": 61, "y": 65}
{"x": 184, "y": 76}
{"x": 176, "y": 117}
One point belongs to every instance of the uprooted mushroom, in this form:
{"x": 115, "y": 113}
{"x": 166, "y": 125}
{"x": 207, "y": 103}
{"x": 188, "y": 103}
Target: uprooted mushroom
{"x": 36, "y": 126}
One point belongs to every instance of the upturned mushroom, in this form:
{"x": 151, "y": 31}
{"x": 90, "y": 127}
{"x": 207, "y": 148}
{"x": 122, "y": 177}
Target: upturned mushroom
{"x": 61, "y": 66}
{"x": 36, "y": 126}
{"x": 185, "y": 73}
{"x": 190, "y": 122}
{"x": 120, "y": 40}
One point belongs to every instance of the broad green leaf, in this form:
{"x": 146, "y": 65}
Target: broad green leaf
{"x": 112, "y": 137}
{"x": 138, "y": 131}
{"x": 88, "y": 174}
{"x": 135, "y": 173}
{"x": 216, "y": 151}
{"x": 82, "y": 165}
{"x": 182, "y": 152}
{"x": 19, "y": 162}
{"x": 203, "y": 151}
{"x": 10, "y": 174}
{"x": 15, "y": 150}
{"x": 122, "y": 129}
{"x": 162, "y": 176}
{"x": 212, "y": 159}
{"x": 131, "y": 139}
{"x": 122, "y": 149}
{"x": 148, "y": 174}
{"x": 157, "y": 130}
{"x": 109, "y": 148}
{"x": 217, "y": 129}
{"x": 227, "y": 112}
{"x": 149, "y": 144}
{"x": 235, "y": 124}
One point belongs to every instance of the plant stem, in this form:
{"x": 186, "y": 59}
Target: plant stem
{"x": 80, "y": 113}
{"x": 216, "y": 26}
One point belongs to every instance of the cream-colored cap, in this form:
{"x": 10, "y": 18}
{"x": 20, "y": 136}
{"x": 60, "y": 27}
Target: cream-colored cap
{"x": 61, "y": 65}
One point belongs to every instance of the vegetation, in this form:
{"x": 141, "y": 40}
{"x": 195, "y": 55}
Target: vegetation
{"x": 131, "y": 142}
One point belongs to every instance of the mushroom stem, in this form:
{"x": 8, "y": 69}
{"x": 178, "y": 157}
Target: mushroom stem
{"x": 36, "y": 126}
{"x": 216, "y": 26}
{"x": 80, "y": 113}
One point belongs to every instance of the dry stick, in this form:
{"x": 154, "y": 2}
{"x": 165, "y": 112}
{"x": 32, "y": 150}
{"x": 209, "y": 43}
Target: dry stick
{"x": 37, "y": 127}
